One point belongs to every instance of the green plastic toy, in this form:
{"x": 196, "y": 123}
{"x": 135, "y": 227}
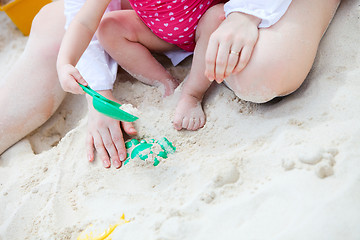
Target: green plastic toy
{"x": 108, "y": 107}
{"x": 139, "y": 149}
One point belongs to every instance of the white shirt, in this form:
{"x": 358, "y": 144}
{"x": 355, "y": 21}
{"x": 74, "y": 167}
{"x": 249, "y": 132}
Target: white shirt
{"x": 270, "y": 11}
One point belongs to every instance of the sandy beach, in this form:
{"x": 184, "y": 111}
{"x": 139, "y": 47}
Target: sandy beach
{"x": 285, "y": 170}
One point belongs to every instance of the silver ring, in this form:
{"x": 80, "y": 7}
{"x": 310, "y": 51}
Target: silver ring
{"x": 233, "y": 52}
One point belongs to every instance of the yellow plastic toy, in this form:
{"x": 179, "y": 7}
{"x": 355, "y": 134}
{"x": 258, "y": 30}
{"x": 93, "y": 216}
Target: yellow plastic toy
{"x": 92, "y": 233}
{"x": 22, "y": 12}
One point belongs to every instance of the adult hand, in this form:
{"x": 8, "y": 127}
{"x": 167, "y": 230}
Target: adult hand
{"x": 230, "y": 46}
{"x": 69, "y": 78}
{"x": 105, "y": 135}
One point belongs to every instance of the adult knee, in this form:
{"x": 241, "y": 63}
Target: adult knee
{"x": 41, "y": 18}
{"x": 50, "y": 18}
{"x": 47, "y": 30}
{"x": 270, "y": 80}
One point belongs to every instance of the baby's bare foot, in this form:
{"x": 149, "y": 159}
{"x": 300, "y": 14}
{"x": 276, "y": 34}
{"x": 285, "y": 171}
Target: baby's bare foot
{"x": 189, "y": 113}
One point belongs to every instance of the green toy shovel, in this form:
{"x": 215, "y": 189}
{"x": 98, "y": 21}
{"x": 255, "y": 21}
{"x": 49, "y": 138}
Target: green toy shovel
{"x": 108, "y": 107}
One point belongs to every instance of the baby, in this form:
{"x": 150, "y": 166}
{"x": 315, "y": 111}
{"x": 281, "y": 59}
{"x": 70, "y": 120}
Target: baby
{"x": 130, "y": 36}
{"x": 159, "y": 38}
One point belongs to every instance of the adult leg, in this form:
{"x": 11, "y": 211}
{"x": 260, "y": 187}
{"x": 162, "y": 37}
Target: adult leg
{"x": 129, "y": 41}
{"x": 285, "y": 52}
{"x": 30, "y": 92}
{"x": 189, "y": 113}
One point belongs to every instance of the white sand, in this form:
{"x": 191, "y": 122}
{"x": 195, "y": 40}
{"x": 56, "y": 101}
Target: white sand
{"x": 286, "y": 170}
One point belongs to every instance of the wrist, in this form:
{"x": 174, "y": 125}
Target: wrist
{"x": 60, "y": 65}
{"x": 245, "y": 17}
{"x": 105, "y": 93}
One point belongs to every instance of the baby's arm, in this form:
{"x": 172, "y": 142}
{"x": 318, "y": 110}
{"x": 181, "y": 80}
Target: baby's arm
{"x": 75, "y": 41}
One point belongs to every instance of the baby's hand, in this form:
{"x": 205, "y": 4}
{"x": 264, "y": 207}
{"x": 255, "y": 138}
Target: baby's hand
{"x": 69, "y": 78}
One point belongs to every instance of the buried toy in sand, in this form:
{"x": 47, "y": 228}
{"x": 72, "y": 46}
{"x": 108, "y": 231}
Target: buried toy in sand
{"x": 100, "y": 233}
{"x": 149, "y": 151}
{"x": 152, "y": 151}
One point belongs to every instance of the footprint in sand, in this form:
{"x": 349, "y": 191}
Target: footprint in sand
{"x": 208, "y": 197}
{"x": 226, "y": 175}
{"x": 322, "y": 161}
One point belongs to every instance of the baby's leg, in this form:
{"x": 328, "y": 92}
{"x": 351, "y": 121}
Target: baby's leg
{"x": 189, "y": 113}
{"x": 285, "y": 52}
{"x": 125, "y": 4}
{"x": 129, "y": 41}
{"x": 30, "y": 92}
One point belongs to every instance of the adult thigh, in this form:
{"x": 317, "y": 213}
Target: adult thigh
{"x": 47, "y": 30}
{"x": 32, "y": 84}
{"x": 285, "y": 52}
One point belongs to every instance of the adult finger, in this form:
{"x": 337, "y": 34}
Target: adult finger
{"x": 90, "y": 147}
{"x": 221, "y": 61}
{"x": 118, "y": 140}
{"x": 110, "y": 147}
{"x": 129, "y": 128}
{"x": 210, "y": 58}
{"x": 100, "y": 148}
{"x": 244, "y": 59}
{"x": 234, "y": 56}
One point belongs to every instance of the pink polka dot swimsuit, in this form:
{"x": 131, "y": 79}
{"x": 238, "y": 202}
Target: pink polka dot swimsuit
{"x": 174, "y": 21}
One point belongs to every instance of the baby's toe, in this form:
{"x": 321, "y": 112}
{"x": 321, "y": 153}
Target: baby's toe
{"x": 191, "y": 124}
{"x": 202, "y": 122}
{"x": 185, "y": 123}
{"x": 196, "y": 124}
{"x": 177, "y": 123}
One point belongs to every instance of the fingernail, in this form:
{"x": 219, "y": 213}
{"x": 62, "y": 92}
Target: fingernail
{"x": 106, "y": 163}
{"x": 122, "y": 157}
{"x": 117, "y": 164}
